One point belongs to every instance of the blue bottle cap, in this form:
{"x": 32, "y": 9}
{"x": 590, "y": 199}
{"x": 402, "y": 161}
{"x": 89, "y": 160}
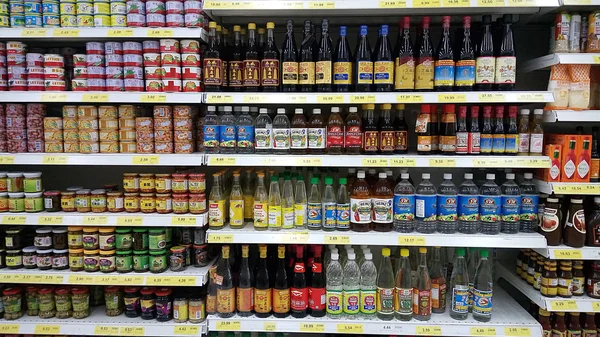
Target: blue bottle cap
{"x": 363, "y": 30}
{"x": 342, "y": 30}
{"x": 384, "y": 29}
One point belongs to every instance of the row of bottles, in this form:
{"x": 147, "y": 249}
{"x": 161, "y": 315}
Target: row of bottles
{"x": 571, "y": 221}
{"x": 563, "y": 324}
{"x": 258, "y": 64}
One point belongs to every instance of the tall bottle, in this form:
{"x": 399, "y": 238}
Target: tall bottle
{"x": 211, "y": 291}
{"x": 387, "y": 135}
{"x": 244, "y": 125}
{"x": 499, "y": 137}
{"x": 274, "y": 204}
{"x": 360, "y": 204}
{"x": 444, "y": 60}
{"x": 447, "y": 142}
{"x": 438, "y": 283}
{"x": 251, "y": 61}
{"x": 269, "y": 65}
{"x": 342, "y": 63}
{"x": 227, "y": 131}
{"x": 317, "y": 288}
{"x": 490, "y": 201}
{"x": 370, "y": 130}
{"x": 483, "y": 287}
{"x": 465, "y": 64}
{"x": 317, "y": 133}
{"x": 462, "y": 133}
{"x": 426, "y": 203}
{"x": 523, "y": 130}
{"x": 236, "y": 62}
{"x": 472, "y": 262}
{"x": 474, "y": 132}
{"x": 289, "y": 60}
{"x": 334, "y": 298}
{"x": 300, "y": 203}
{"x": 287, "y": 203}
{"x": 299, "y": 290}
{"x": 213, "y": 63}
{"x": 512, "y": 132}
{"x": 245, "y": 289}
{"x": 511, "y": 205}
{"x": 281, "y": 133}
{"x": 404, "y": 205}
{"x": 364, "y": 62}
{"x": 468, "y": 206}
{"x": 261, "y": 42}
{"x": 335, "y": 132}
{"x": 459, "y": 287}
{"x": 329, "y": 206}
{"x": 383, "y": 204}
{"x": 211, "y": 130}
{"x": 423, "y": 130}
{"x": 536, "y": 132}
{"x": 403, "y": 294}
{"x": 323, "y": 69}
{"x": 299, "y": 133}
{"x": 506, "y": 62}
{"x": 404, "y": 55}
{"x": 486, "y": 138}
{"x": 385, "y": 287}
{"x": 281, "y": 290}
{"x": 261, "y": 204}
{"x": 447, "y": 206}
{"x": 315, "y": 212}
{"x": 529, "y": 204}
{"x": 263, "y": 132}
{"x": 425, "y": 64}
{"x": 225, "y": 288}
{"x": 383, "y": 75}
{"x": 262, "y": 289}
{"x": 351, "y": 285}
{"x": 216, "y": 204}
{"x": 485, "y": 71}
{"x": 353, "y": 132}
{"x": 400, "y": 131}
{"x": 422, "y": 289}
{"x": 308, "y": 57}
{"x": 248, "y": 193}
{"x": 368, "y": 288}
{"x": 236, "y": 203}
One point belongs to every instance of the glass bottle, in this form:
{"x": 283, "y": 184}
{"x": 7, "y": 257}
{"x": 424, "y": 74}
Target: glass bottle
{"x": 236, "y": 204}
{"x": 281, "y": 133}
{"x": 574, "y": 328}
{"x": 225, "y": 288}
{"x": 300, "y": 203}
{"x": 485, "y": 70}
{"x": 523, "y": 131}
{"x": 274, "y": 204}
{"x": 425, "y": 64}
{"x": 289, "y": 59}
{"x": 474, "y": 132}
{"x": 370, "y": 130}
{"x": 423, "y": 130}
{"x": 595, "y": 167}
{"x": 287, "y": 203}
{"x": 422, "y": 289}
{"x": 438, "y": 283}
{"x": 385, "y": 287}
{"x": 315, "y": 215}
{"x": 244, "y": 125}
{"x": 364, "y": 62}
{"x": 483, "y": 289}
{"x": 308, "y": 57}
{"x": 263, "y": 132}
{"x": 506, "y": 62}
{"x": 387, "y": 136}
{"x": 448, "y": 130}
{"x": 216, "y": 204}
{"x": 299, "y": 133}
{"x": 459, "y": 287}
{"x": 211, "y": 291}
{"x": 342, "y": 208}
{"x": 317, "y": 288}
{"x": 251, "y": 61}
{"x": 248, "y": 194}
{"x": 360, "y": 204}
{"x": 261, "y": 204}
{"x": 462, "y": 134}
{"x": 404, "y": 58}
{"x": 299, "y": 291}
{"x": 353, "y": 133}
{"x": 444, "y": 61}
{"x": 213, "y": 62}
{"x": 342, "y": 66}
{"x": 536, "y": 133}
{"x": 329, "y": 204}
{"x": 559, "y": 328}
{"x": 382, "y": 200}
{"x": 245, "y": 289}
{"x": 404, "y": 289}
{"x": 487, "y": 139}
{"x": 236, "y": 62}
{"x": 512, "y": 132}
{"x": 499, "y": 137}
{"x": 262, "y": 292}
{"x": 400, "y": 131}
{"x": 316, "y": 133}
{"x": 323, "y": 70}
{"x": 383, "y": 75}
{"x": 465, "y": 64}
{"x": 589, "y": 328}
{"x": 281, "y": 290}
{"x": 335, "y": 132}
{"x": 269, "y": 66}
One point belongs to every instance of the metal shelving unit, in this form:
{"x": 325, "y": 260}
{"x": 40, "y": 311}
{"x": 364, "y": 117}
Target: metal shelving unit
{"x": 560, "y": 58}
{"x": 105, "y": 219}
{"x": 553, "y": 116}
{"x": 84, "y": 33}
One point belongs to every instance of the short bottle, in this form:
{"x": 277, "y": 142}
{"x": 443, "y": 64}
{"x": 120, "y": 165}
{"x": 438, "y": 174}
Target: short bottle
{"x": 511, "y": 205}
{"x": 263, "y": 130}
{"x": 382, "y": 203}
{"x": 468, "y": 206}
{"x": 281, "y": 133}
{"x": 426, "y": 203}
{"x": 447, "y": 200}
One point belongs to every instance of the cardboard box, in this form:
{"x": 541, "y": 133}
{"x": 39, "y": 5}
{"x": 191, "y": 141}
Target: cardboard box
{"x": 568, "y": 154}
{"x": 552, "y": 174}
{"x": 584, "y": 158}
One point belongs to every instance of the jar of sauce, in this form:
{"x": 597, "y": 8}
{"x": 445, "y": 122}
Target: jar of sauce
{"x": 14, "y": 238}
{"x": 140, "y": 239}
{"x": 197, "y": 183}
{"x": 157, "y": 239}
{"x": 32, "y": 182}
{"x": 34, "y": 202}
{"x": 60, "y": 259}
{"x": 559, "y": 328}
{"x": 91, "y": 260}
{"x": 107, "y": 261}
{"x": 147, "y": 183}
{"x": 549, "y": 280}
{"x": 574, "y": 232}
{"x": 147, "y": 203}
{"x": 592, "y": 287}
{"x": 90, "y": 238}
{"x": 43, "y": 238}
{"x": 60, "y": 238}
{"x": 106, "y": 238}
{"x": 197, "y": 203}
{"x": 98, "y": 200}
{"x": 164, "y": 203}
{"x": 574, "y": 328}
{"x": 15, "y": 182}
{"x": 131, "y": 299}
{"x": 148, "y": 303}
{"x": 539, "y": 269}
{"x": 180, "y": 183}
{"x": 162, "y": 183}
{"x": 158, "y": 261}
{"x": 30, "y": 257}
{"x": 531, "y": 268}
{"x": 124, "y": 261}
{"x": 4, "y": 202}
{"x": 16, "y": 202}
{"x": 131, "y": 182}
{"x": 52, "y": 201}
{"x": 82, "y": 200}
{"x": 115, "y": 202}
{"x": 164, "y": 305}
{"x": 544, "y": 320}
{"x": 76, "y": 259}
{"x": 132, "y": 202}
{"x": 551, "y": 227}
{"x": 593, "y": 225}
{"x": 67, "y": 201}
{"x": 44, "y": 259}
{"x": 75, "y": 237}
{"x": 140, "y": 261}
{"x": 565, "y": 279}
{"x": 124, "y": 238}
{"x": 3, "y": 182}
{"x": 181, "y": 203}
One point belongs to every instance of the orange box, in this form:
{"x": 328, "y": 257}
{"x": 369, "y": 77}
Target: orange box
{"x": 552, "y": 174}
{"x": 568, "y": 153}
{"x": 584, "y": 158}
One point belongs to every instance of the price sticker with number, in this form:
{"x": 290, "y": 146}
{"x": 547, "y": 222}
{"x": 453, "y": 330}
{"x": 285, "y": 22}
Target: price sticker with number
{"x": 50, "y": 220}
{"x": 521, "y": 3}
{"x": 295, "y": 237}
{"x": 456, "y": 3}
{"x": 228, "y": 325}
{"x": 153, "y": 98}
{"x": 350, "y": 328}
{"x": 442, "y": 162}
{"x": 311, "y": 161}
{"x": 183, "y": 220}
{"x": 483, "y": 331}
{"x": 219, "y": 99}
{"x": 54, "y": 97}
{"x": 65, "y": 32}
{"x": 95, "y": 220}
{"x": 120, "y": 32}
{"x": 329, "y": 99}
{"x": 517, "y": 332}
{"x": 404, "y": 240}
{"x": 336, "y": 239}
{"x": 491, "y": 97}
{"x": 220, "y": 238}
{"x": 426, "y": 3}
{"x": 34, "y": 32}
{"x": 94, "y": 98}
{"x": 596, "y": 306}
{"x": 409, "y": 98}
{"x": 358, "y": 99}
{"x": 452, "y": 98}
{"x": 106, "y": 330}
{"x": 55, "y": 160}
{"x": 9, "y": 328}
{"x": 222, "y": 161}
{"x": 7, "y": 160}
{"x": 186, "y": 330}
{"x": 568, "y": 254}
{"x": 14, "y": 219}
{"x": 392, "y": 3}
{"x": 81, "y": 279}
{"x": 375, "y": 162}
{"x": 321, "y": 5}
{"x": 131, "y": 331}
{"x": 403, "y": 162}
{"x": 312, "y": 327}
{"x": 130, "y": 221}
{"x": 145, "y": 160}
{"x": 45, "y": 329}
{"x": 566, "y": 305}
{"x": 160, "y": 33}
{"x": 490, "y": 3}
{"x": 430, "y": 330}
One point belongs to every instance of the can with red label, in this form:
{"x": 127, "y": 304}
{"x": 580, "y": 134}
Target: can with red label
{"x": 15, "y": 60}
{"x": 3, "y": 62}
{"x": 133, "y": 60}
{"x": 112, "y": 47}
{"x": 114, "y": 73}
{"x": 136, "y": 20}
{"x": 174, "y": 7}
{"x": 152, "y": 60}
{"x": 15, "y": 47}
{"x": 96, "y": 84}
{"x": 4, "y": 75}
{"x": 190, "y": 60}
{"x": 171, "y": 73}
{"x": 114, "y": 60}
{"x": 192, "y": 7}
{"x": 80, "y": 60}
{"x": 94, "y": 48}
{"x": 133, "y": 72}
{"x": 153, "y": 73}
{"x": 175, "y": 20}
{"x": 132, "y": 47}
{"x": 114, "y": 84}
{"x": 17, "y": 73}
{"x": 151, "y": 46}
{"x": 155, "y": 7}
{"x": 193, "y": 20}
{"x": 35, "y": 72}
{"x": 35, "y": 84}
{"x": 190, "y": 46}
{"x": 155, "y": 20}
{"x": 170, "y": 59}
{"x": 190, "y": 73}
{"x": 95, "y": 60}
{"x": 53, "y": 60}
{"x": 191, "y": 85}
{"x": 54, "y": 73}
{"x": 172, "y": 85}
{"x": 169, "y": 46}
{"x": 79, "y": 84}
{"x": 136, "y": 7}
{"x": 96, "y": 72}
{"x": 132, "y": 84}
{"x": 55, "y": 85}
{"x": 154, "y": 85}
{"x": 34, "y": 60}
{"x": 80, "y": 73}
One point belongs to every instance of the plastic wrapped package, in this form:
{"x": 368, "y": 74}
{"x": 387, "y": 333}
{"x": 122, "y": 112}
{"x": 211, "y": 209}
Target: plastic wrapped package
{"x": 559, "y": 85}
{"x": 579, "y": 92}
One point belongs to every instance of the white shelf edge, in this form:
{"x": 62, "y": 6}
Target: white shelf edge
{"x": 560, "y": 58}
{"x": 553, "y": 116}
{"x": 568, "y": 188}
{"x": 105, "y": 219}
{"x": 110, "y": 159}
{"x": 101, "y": 97}
{"x": 563, "y": 252}
{"x": 116, "y": 33}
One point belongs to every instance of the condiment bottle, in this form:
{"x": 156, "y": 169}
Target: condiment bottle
{"x": 549, "y": 280}
{"x": 537, "y": 274}
{"x": 531, "y": 267}
{"x": 360, "y": 204}
{"x": 593, "y": 225}
{"x": 559, "y": 328}
{"x": 525, "y": 264}
{"x": 565, "y": 279}
{"x": 589, "y": 326}
{"x": 578, "y": 284}
{"x": 593, "y": 282}
{"x": 574, "y": 328}
{"x": 550, "y": 225}
{"x": 544, "y": 320}
{"x": 574, "y": 231}
{"x": 382, "y": 200}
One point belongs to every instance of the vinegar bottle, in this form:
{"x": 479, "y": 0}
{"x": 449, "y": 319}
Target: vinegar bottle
{"x": 360, "y": 204}
{"x": 383, "y": 200}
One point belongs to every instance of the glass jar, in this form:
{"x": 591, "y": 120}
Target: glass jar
{"x": 158, "y": 261}
{"x": 124, "y": 261}
{"x": 81, "y": 302}
{"x": 32, "y": 182}
{"x": 131, "y": 182}
{"x": 197, "y": 309}
{"x": 197, "y": 183}
{"x": 43, "y": 238}
{"x": 60, "y": 238}
{"x": 200, "y": 235}
{"x": 11, "y": 298}
{"x": 16, "y": 202}
{"x": 15, "y": 182}
{"x": 14, "y": 259}
{"x": 115, "y": 202}
{"x": 52, "y": 201}
{"x": 106, "y": 238}
{"x": 98, "y": 200}
{"x": 67, "y": 201}
{"x": 148, "y": 303}
{"x": 14, "y": 238}
{"x": 140, "y": 261}
{"x": 82, "y": 200}
{"x": 44, "y": 259}
{"x": 177, "y": 259}
{"x": 147, "y": 202}
{"x": 201, "y": 256}
{"x": 163, "y": 305}
{"x": 147, "y": 183}
{"x": 76, "y": 259}
{"x": 181, "y": 203}
{"x": 4, "y": 202}
{"x": 162, "y": 183}
{"x": 90, "y": 238}
{"x": 140, "y": 238}
{"x": 164, "y": 203}
{"x": 91, "y": 260}
{"x": 34, "y": 202}
{"x": 157, "y": 239}
{"x": 60, "y": 259}
{"x": 592, "y": 286}
{"x": 3, "y": 182}
{"x": 184, "y": 235}
{"x": 179, "y": 183}
{"x": 124, "y": 238}
{"x": 107, "y": 261}
{"x": 33, "y": 302}
{"x": 113, "y": 298}
{"x": 75, "y": 237}
{"x": 62, "y": 297}
{"x": 197, "y": 203}
{"x": 30, "y": 257}
{"x": 180, "y": 310}
{"x": 47, "y": 302}
{"x": 131, "y": 300}
{"x": 132, "y": 202}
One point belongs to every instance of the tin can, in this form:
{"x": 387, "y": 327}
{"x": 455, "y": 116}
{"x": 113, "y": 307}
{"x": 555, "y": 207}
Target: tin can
{"x": 190, "y": 60}
{"x": 94, "y": 48}
{"x": 133, "y": 60}
{"x": 136, "y": 7}
{"x": 17, "y": 73}
{"x": 114, "y": 84}
{"x": 33, "y": 20}
{"x": 16, "y": 7}
{"x": 174, "y": 7}
{"x": 85, "y": 20}
{"x": 4, "y": 20}
{"x": 154, "y": 86}
{"x": 15, "y": 47}
{"x": 89, "y": 147}
{"x": 132, "y": 47}
{"x": 17, "y": 20}
{"x": 118, "y": 20}
{"x": 51, "y": 20}
{"x": 32, "y": 7}
{"x": 151, "y": 46}
{"x": 35, "y": 84}
{"x": 190, "y": 73}
{"x": 4, "y": 8}
{"x": 155, "y": 20}
{"x": 79, "y": 84}
{"x": 114, "y": 60}
{"x": 136, "y": 20}
{"x": 169, "y": 46}
{"x": 50, "y": 7}
{"x": 96, "y": 72}
{"x": 101, "y": 8}
{"x": 54, "y": 60}
{"x": 175, "y": 20}
{"x": 67, "y": 8}
{"x": 153, "y": 73}
{"x": 170, "y": 59}
{"x": 108, "y": 111}
{"x": 118, "y": 7}
{"x": 68, "y": 20}
{"x": 134, "y": 84}
{"x": 191, "y": 86}
{"x": 114, "y": 72}
{"x": 19, "y": 84}
{"x": 152, "y": 60}
{"x": 155, "y": 7}
{"x": 192, "y": 7}
{"x": 15, "y": 60}
{"x": 101, "y": 20}
{"x": 96, "y": 84}
{"x": 172, "y": 85}
{"x": 35, "y": 72}
{"x": 54, "y": 73}
{"x": 95, "y": 60}
{"x": 84, "y": 8}
{"x": 113, "y": 48}
{"x": 171, "y": 73}
{"x": 55, "y": 85}
{"x": 189, "y": 46}
{"x": 133, "y": 72}
{"x": 69, "y": 111}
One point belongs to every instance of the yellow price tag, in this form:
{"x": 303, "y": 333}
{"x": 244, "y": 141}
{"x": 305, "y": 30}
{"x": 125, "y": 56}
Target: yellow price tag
{"x": 55, "y": 160}
{"x": 222, "y": 161}
{"x": 186, "y": 330}
{"x": 170, "y": 280}
{"x": 577, "y": 2}
{"x": 50, "y": 220}
{"x": 529, "y": 97}
{"x": 517, "y": 332}
{"x": 130, "y": 221}
{"x": 219, "y": 98}
{"x": 112, "y": 280}
{"x": 7, "y": 160}
{"x": 321, "y": 5}
{"x": 9, "y": 328}
{"x": 490, "y": 3}
{"x": 94, "y": 98}
{"x": 442, "y": 162}
{"x": 452, "y": 98}
{"x": 330, "y": 99}
{"x": 312, "y": 327}
{"x": 95, "y": 220}
{"x": 300, "y": 237}
{"x": 160, "y": 32}
{"x": 14, "y": 219}
{"x": 120, "y": 32}
{"x": 65, "y": 32}
{"x": 220, "y": 238}
{"x": 153, "y": 98}
{"x": 309, "y": 161}
{"x": 484, "y": 162}
{"x": 253, "y": 99}
{"x": 106, "y": 330}
{"x": 52, "y": 279}
{"x": 358, "y": 99}
{"x": 350, "y": 328}
{"x": 34, "y": 32}
{"x": 521, "y": 3}
{"x": 568, "y": 305}
{"x": 531, "y": 162}
{"x": 145, "y": 160}
{"x": 403, "y": 162}
{"x": 568, "y": 254}
{"x": 131, "y": 331}
{"x": 409, "y": 98}
{"x": 44, "y": 329}
{"x": 270, "y": 326}
{"x": 375, "y": 162}
{"x": 54, "y": 97}
{"x": 295, "y": 99}
{"x": 183, "y": 220}
{"x": 491, "y": 97}
{"x": 130, "y": 280}
{"x": 411, "y": 240}
{"x": 429, "y": 330}
{"x": 426, "y": 3}
{"x": 228, "y": 325}
{"x": 483, "y": 331}
{"x": 392, "y": 3}
{"x": 596, "y": 306}
{"x": 336, "y": 239}
{"x": 81, "y": 279}
{"x": 457, "y": 3}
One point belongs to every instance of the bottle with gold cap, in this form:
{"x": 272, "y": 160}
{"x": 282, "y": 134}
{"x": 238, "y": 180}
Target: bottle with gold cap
{"x": 236, "y": 62}
{"x": 269, "y": 64}
{"x": 370, "y": 130}
{"x": 387, "y": 135}
{"x": 251, "y": 61}
{"x": 403, "y": 294}
{"x": 212, "y": 63}
{"x": 400, "y": 131}
{"x": 422, "y": 289}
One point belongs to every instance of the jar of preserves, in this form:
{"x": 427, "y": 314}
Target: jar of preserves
{"x": 158, "y": 261}
{"x": 140, "y": 261}
{"x": 67, "y": 201}
{"x": 107, "y": 261}
{"x": 3, "y": 182}
{"x": 75, "y": 237}
{"x": 197, "y": 203}
{"x": 148, "y": 303}
{"x": 80, "y": 298}
{"x": 14, "y": 259}
{"x": 157, "y": 239}
{"x": 82, "y": 200}
{"x": 4, "y": 207}
{"x": 47, "y": 302}
{"x": 197, "y": 183}
{"x": 90, "y": 237}
{"x": 14, "y": 238}
{"x": 106, "y": 238}
{"x": 179, "y": 183}
{"x": 131, "y": 182}
{"x": 147, "y": 183}
{"x": 162, "y": 183}
{"x": 164, "y": 203}
{"x": 60, "y": 259}
{"x": 113, "y": 298}
{"x": 52, "y": 201}
{"x": 98, "y": 200}
{"x": 34, "y": 202}
{"x": 201, "y": 256}
{"x": 43, "y": 238}
{"x": 76, "y": 259}
{"x": 140, "y": 238}
{"x": 180, "y": 310}
{"x": 124, "y": 261}
{"x": 147, "y": 203}
{"x": 60, "y": 238}
{"x": 91, "y": 260}
{"x": 16, "y": 202}
{"x": 30, "y": 257}
{"x": 197, "y": 309}
{"x": 181, "y": 203}
{"x": 163, "y": 305}
{"x": 11, "y": 298}
{"x": 32, "y": 182}
{"x": 592, "y": 287}
{"x": 115, "y": 202}
{"x": 177, "y": 261}
{"x": 132, "y": 202}
{"x": 62, "y": 298}
{"x": 44, "y": 259}
{"x": 124, "y": 238}
{"x": 131, "y": 299}
{"x": 15, "y": 182}
{"x": 33, "y": 302}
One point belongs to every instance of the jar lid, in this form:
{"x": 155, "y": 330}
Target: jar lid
{"x": 11, "y": 291}
{"x": 180, "y": 195}
{"x": 112, "y": 289}
{"x": 60, "y": 251}
{"x": 131, "y": 289}
{"x": 43, "y": 230}
{"x": 163, "y": 175}
{"x": 46, "y": 290}
{"x": 156, "y": 230}
{"x": 79, "y": 290}
{"x": 130, "y": 174}
{"x": 163, "y": 292}
{"x": 16, "y": 195}
{"x": 29, "y": 175}
{"x": 98, "y": 191}
{"x": 140, "y": 230}
{"x": 76, "y": 251}
{"x": 177, "y": 249}
{"x": 62, "y": 291}
{"x": 13, "y": 251}
{"x": 163, "y": 195}
{"x": 91, "y": 252}
{"x": 29, "y": 249}
{"x": 107, "y": 252}
{"x": 83, "y": 191}
{"x": 33, "y": 195}
{"x": 123, "y": 230}
{"x": 140, "y": 252}
{"x": 179, "y": 175}
{"x": 90, "y": 229}
{"x": 196, "y": 175}
{"x": 160, "y": 252}
{"x": 52, "y": 193}
{"x": 74, "y": 188}
{"x": 75, "y": 228}
{"x": 14, "y": 174}
{"x": 201, "y": 246}
{"x": 201, "y": 196}
{"x": 106, "y": 229}
{"x": 147, "y": 291}
{"x": 124, "y": 252}
{"x": 67, "y": 193}
{"x": 3, "y": 194}
{"x": 146, "y": 174}
{"x": 114, "y": 194}
{"x": 32, "y": 288}
{"x": 14, "y": 230}
{"x": 110, "y": 187}
{"x": 147, "y": 195}
{"x": 59, "y": 230}
{"x": 132, "y": 194}
{"x": 44, "y": 251}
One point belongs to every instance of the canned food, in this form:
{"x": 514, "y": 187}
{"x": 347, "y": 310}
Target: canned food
{"x": 17, "y": 73}
{"x": 134, "y": 73}
{"x": 96, "y": 84}
{"x": 190, "y": 47}
{"x": 67, "y": 8}
{"x": 15, "y": 47}
{"x": 84, "y": 8}
{"x": 132, "y": 47}
{"x": 17, "y": 20}
{"x": 170, "y": 59}
{"x": 109, "y": 147}
{"x": 127, "y": 135}
{"x": 151, "y": 46}
{"x": 114, "y": 60}
{"x": 171, "y": 73}
{"x": 72, "y": 147}
{"x": 16, "y": 7}
{"x": 136, "y": 7}
{"x": 69, "y": 111}
{"x": 34, "y": 60}
{"x": 154, "y": 86}
{"x": 80, "y": 73}
{"x": 79, "y": 84}
{"x": 51, "y": 20}
{"x": 54, "y": 73}
{"x": 153, "y": 73}
{"x": 143, "y": 123}
{"x": 15, "y": 60}
{"x": 94, "y": 48}
{"x": 111, "y": 124}
{"x": 114, "y": 84}
{"x": 155, "y": 20}
{"x": 108, "y": 111}
{"x": 53, "y": 147}
{"x": 118, "y": 20}
{"x": 85, "y": 20}
{"x": 130, "y": 147}
{"x": 163, "y": 147}
{"x": 89, "y": 147}
{"x": 133, "y": 60}
{"x": 4, "y": 20}
{"x": 80, "y": 60}
{"x": 87, "y": 124}
{"x": 169, "y": 46}
{"x": 127, "y": 110}
{"x": 50, "y": 8}
{"x": 172, "y": 85}
{"x": 111, "y": 48}
{"x": 190, "y": 60}
{"x": 152, "y": 60}
{"x": 35, "y": 84}
{"x": 32, "y": 7}
{"x": 174, "y": 7}
{"x": 95, "y": 60}
{"x": 35, "y": 72}
{"x": 118, "y": 8}
{"x": 175, "y": 20}
{"x": 190, "y": 73}
{"x": 88, "y": 135}
{"x": 17, "y": 84}
{"x": 55, "y": 85}
{"x": 68, "y": 20}
{"x": 155, "y": 7}
{"x": 96, "y": 72}
{"x": 136, "y": 20}
{"x": 70, "y": 123}
{"x": 70, "y": 135}
{"x": 162, "y": 111}
{"x": 53, "y": 60}
{"x": 102, "y": 20}
{"x": 127, "y": 123}
{"x": 101, "y": 8}
{"x": 192, "y": 7}
{"x": 109, "y": 135}
{"x": 114, "y": 72}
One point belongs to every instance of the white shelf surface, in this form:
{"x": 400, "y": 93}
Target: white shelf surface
{"x": 560, "y": 58}
{"x": 334, "y": 98}
{"x": 563, "y": 252}
{"x": 100, "y": 97}
{"x": 552, "y": 116}
{"x": 573, "y": 304}
{"x": 105, "y": 219}
{"x": 98, "y": 324}
{"x": 568, "y": 188}
{"x": 121, "y": 33}
{"x": 508, "y": 319}
{"x": 250, "y": 236}
{"x": 110, "y": 159}
{"x": 581, "y": 2}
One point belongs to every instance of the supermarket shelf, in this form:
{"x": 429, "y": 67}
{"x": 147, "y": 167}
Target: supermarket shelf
{"x": 100, "y": 97}
{"x": 377, "y": 161}
{"x": 581, "y": 2}
{"x": 249, "y": 235}
{"x": 508, "y": 319}
{"x": 552, "y": 116}
{"x": 568, "y": 188}
{"x": 563, "y": 252}
{"x": 105, "y": 219}
{"x": 102, "y": 33}
{"x": 379, "y": 97}
{"x": 110, "y": 159}
{"x": 573, "y": 304}
{"x": 98, "y": 324}
{"x": 560, "y": 58}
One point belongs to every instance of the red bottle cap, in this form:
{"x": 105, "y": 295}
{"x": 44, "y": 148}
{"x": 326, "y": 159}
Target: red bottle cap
{"x": 462, "y": 111}
{"x": 448, "y": 108}
{"x": 467, "y": 21}
{"x": 500, "y": 111}
{"x": 446, "y": 21}
{"x": 487, "y": 111}
{"x": 475, "y": 111}
{"x": 425, "y": 22}
{"x": 406, "y": 22}
{"x": 425, "y": 108}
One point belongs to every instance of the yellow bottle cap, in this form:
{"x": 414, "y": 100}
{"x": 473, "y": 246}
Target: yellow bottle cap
{"x": 219, "y": 28}
{"x": 252, "y": 25}
{"x": 370, "y": 106}
{"x": 385, "y": 251}
{"x": 261, "y": 31}
{"x": 399, "y": 106}
{"x": 422, "y": 250}
{"x": 386, "y": 106}
{"x": 270, "y": 25}
{"x": 404, "y": 252}
{"x": 212, "y": 24}
{"x": 236, "y": 28}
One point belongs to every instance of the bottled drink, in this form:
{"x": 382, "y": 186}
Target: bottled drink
{"x": 385, "y": 287}
{"x": 364, "y": 62}
{"x": 472, "y": 262}
{"x": 245, "y": 289}
{"x": 316, "y": 133}
{"x": 383, "y": 204}
{"x": 536, "y": 133}
{"x": 225, "y": 288}
{"x": 404, "y": 205}
{"x": 465, "y": 65}
{"x": 329, "y": 206}
{"x": 274, "y": 204}
{"x": 448, "y": 130}
{"x": 483, "y": 289}
{"x": 299, "y": 290}
{"x": 335, "y": 276}
{"x": 425, "y": 64}
{"x": 216, "y": 204}
{"x": 524, "y": 132}
{"x": 236, "y": 203}
{"x": 403, "y": 302}
{"x": 248, "y": 193}
{"x": 438, "y": 283}
{"x": 462, "y": 134}
{"x": 370, "y": 130}
{"x": 529, "y": 204}
{"x": 485, "y": 70}
{"x": 335, "y": 132}
{"x": 404, "y": 58}
{"x": 289, "y": 59}
{"x": 287, "y": 203}
{"x": 459, "y": 287}
{"x": 300, "y": 204}
{"x": 368, "y": 287}
{"x": 263, "y": 132}
{"x": 506, "y": 62}
{"x": 423, "y": 130}
{"x": 387, "y": 135}
{"x": 227, "y": 131}
{"x": 490, "y": 201}
{"x": 342, "y": 208}
{"x": 211, "y": 130}
{"x": 499, "y": 138}
{"x": 487, "y": 138}
{"x": 468, "y": 206}
{"x": 401, "y": 131}
{"x": 262, "y": 291}
{"x": 261, "y": 204}
{"x": 383, "y": 62}
{"x": 308, "y": 57}
{"x": 474, "y": 134}
{"x": 315, "y": 215}
{"x": 422, "y": 289}
{"x": 324, "y": 62}
{"x": 281, "y": 133}
{"x": 211, "y": 291}
{"x": 317, "y": 291}
{"x": 281, "y": 290}
{"x": 512, "y": 132}
{"x": 426, "y": 203}
{"x": 595, "y": 165}
{"x": 360, "y": 204}
{"x": 444, "y": 61}
{"x": 213, "y": 62}
{"x": 251, "y": 61}
{"x": 299, "y": 133}
{"x": 447, "y": 210}
{"x": 269, "y": 65}
{"x": 245, "y": 132}
{"x": 342, "y": 66}
{"x": 351, "y": 285}
{"x": 353, "y": 132}
{"x": 511, "y": 205}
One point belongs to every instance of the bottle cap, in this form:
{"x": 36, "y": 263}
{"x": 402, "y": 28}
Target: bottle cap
{"x": 280, "y": 111}
{"x": 353, "y": 109}
{"x": 227, "y": 109}
{"x": 212, "y": 24}
{"x": 298, "y": 111}
{"x": 400, "y": 106}
{"x": 538, "y": 111}
{"x": 328, "y": 180}
{"x": 510, "y": 176}
{"x": 335, "y": 256}
{"x": 317, "y": 111}
{"x": 386, "y": 106}
{"x": 385, "y": 251}
{"x": 360, "y": 175}
{"x": 342, "y": 30}
{"x": 425, "y": 108}
{"x": 460, "y": 251}
{"x": 389, "y": 173}
{"x": 469, "y": 176}
{"x": 576, "y": 201}
{"x": 368, "y": 256}
{"x": 245, "y": 109}
{"x": 370, "y": 106}
{"x": 335, "y": 109}
{"x": 490, "y": 176}
{"x": 525, "y": 111}
{"x": 596, "y": 200}
{"x": 550, "y": 199}
{"x": 314, "y": 180}
{"x": 252, "y": 25}
{"x": 448, "y": 176}
{"x": 372, "y": 171}
{"x": 404, "y": 176}
{"x": 382, "y": 175}
{"x": 404, "y": 252}
{"x": 270, "y": 25}
{"x": 263, "y": 110}
{"x": 211, "y": 108}
{"x": 261, "y": 31}
{"x": 448, "y": 108}
{"x": 343, "y": 181}
{"x": 425, "y": 176}
{"x": 274, "y": 178}
{"x": 351, "y": 256}
{"x": 484, "y": 253}
{"x": 422, "y": 250}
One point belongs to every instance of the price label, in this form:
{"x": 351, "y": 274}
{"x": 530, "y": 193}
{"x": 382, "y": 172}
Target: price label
{"x": 270, "y": 326}
{"x": 392, "y": 3}
{"x": 568, "y": 305}
{"x": 411, "y": 241}
{"x": 300, "y": 237}
{"x": 253, "y": 99}
{"x": 568, "y": 254}
{"x": 358, "y": 99}
{"x": 54, "y": 97}
{"x": 186, "y": 330}
{"x": 442, "y": 162}
{"x": 596, "y": 59}
{"x": 375, "y": 162}
{"x": 457, "y": 3}
{"x": 350, "y": 328}
{"x": 312, "y": 327}
{"x": 403, "y": 162}
{"x": 65, "y": 32}
{"x": 429, "y": 330}
{"x": 130, "y": 221}
{"x": 491, "y": 97}
{"x": 95, "y": 220}
{"x": 34, "y": 32}
{"x": 295, "y": 99}
{"x": 521, "y": 3}
{"x": 222, "y": 161}
{"x": 452, "y": 98}
{"x": 160, "y": 33}
{"x": 153, "y": 98}
{"x": 228, "y": 325}
{"x": 517, "y": 332}
{"x": 106, "y": 330}
{"x": 120, "y": 32}
{"x": 426, "y": 3}
{"x": 183, "y": 220}
{"x": 81, "y": 279}
{"x": 130, "y": 280}
{"x": 219, "y": 98}
{"x": 9, "y": 328}
{"x": 50, "y": 220}
{"x": 106, "y": 280}
{"x": 485, "y": 162}
{"x": 145, "y": 160}
{"x": 220, "y": 238}
{"x": 321, "y": 5}
{"x": 52, "y": 279}
{"x": 483, "y": 331}
{"x": 44, "y": 329}
{"x": 309, "y": 162}
{"x": 596, "y": 306}
{"x": 409, "y": 98}
{"x": 530, "y": 162}
{"x": 14, "y": 219}
{"x": 7, "y": 160}
{"x": 330, "y": 99}
{"x": 490, "y": 3}
{"x": 290, "y": 5}
{"x": 94, "y": 98}
{"x": 529, "y": 97}
{"x": 577, "y": 2}
{"x": 337, "y": 240}
{"x": 131, "y": 331}
{"x": 55, "y": 160}
{"x": 170, "y": 280}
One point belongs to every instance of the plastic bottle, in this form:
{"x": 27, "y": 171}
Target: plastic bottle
{"x": 261, "y": 204}
{"x": 351, "y": 285}
{"x": 236, "y": 203}
{"x": 263, "y": 130}
{"x": 360, "y": 204}
{"x": 483, "y": 286}
{"x": 472, "y": 262}
{"x": 383, "y": 204}
{"x": 490, "y": 199}
{"x": 468, "y": 206}
{"x": 245, "y": 131}
{"x": 438, "y": 283}
{"x": 227, "y": 131}
{"x": 342, "y": 208}
{"x": 529, "y": 204}
{"x": 511, "y": 205}
{"x": 317, "y": 133}
{"x": 459, "y": 287}
{"x": 368, "y": 287}
{"x": 287, "y": 203}
{"x": 281, "y": 133}
{"x": 447, "y": 201}
{"x": 315, "y": 215}
{"x": 211, "y": 130}
{"x": 425, "y": 206}
{"x": 274, "y": 204}
{"x": 329, "y": 203}
{"x": 300, "y": 203}
{"x": 403, "y": 301}
{"x": 385, "y": 287}
{"x": 404, "y": 205}
{"x": 335, "y": 276}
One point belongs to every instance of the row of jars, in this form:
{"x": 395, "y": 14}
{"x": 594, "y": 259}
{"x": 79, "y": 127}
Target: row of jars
{"x": 164, "y": 183}
{"x": 28, "y": 182}
{"x": 46, "y": 302}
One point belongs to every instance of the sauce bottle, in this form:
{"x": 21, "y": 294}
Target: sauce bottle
{"x": 565, "y": 279}
{"x": 435, "y": 134}
{"x": 289, "y": 60}
{"x": 499, "y": 138}
{"x": 574, "y": 328}
{"x": 323, "y": 73}
{"x": 342, "y": 66}
{"x": 486, "y": 141}
{"x": 335, "y": 132}
{"x": 383, "y": 201}
{"x": 512, "y": 132}
{"x": 251, "y": 61}
{"x": 584, "y": 162}
{"x": 422, "y": 289}
{"x": 486, "y": 62}
{"x": 551, "y": 226}
{"x": 387, "y": 136}
{"x": 299, "y": 133}
{"x": 425, "y": 65}
{"x": 364, "y": 62}
{"x": 506, "y": 62}
{"x": 574, "y": 231}
{"x": 308, "y": 57}
{"x": 360, "y": 204}
{"x": 536, "y": 133}
{"x": 465, "y": 65}
{"x": 401, "y": 131}
{"x": 537, "y": 273}
{"x": 444, "y": 61}
{"x": 212, "y": 61}
{"x": 525, "y": 264}
{"x": 269, "y": 64}
{"x": 448, "y": 130}
{"x": 549, "y": 280}
{"x": 370, "y": 130}
{"x": 404, "y": 58}
{"x": 474, "y": 132}
{"x": 559, "y": 328}
{"x": 593, "y": 225}
{"x": 423, "y": 130}
{"x": 462, "y": 135}
{"x": 316, "y": 133}
{"x": 531, "y": 268}
{"x": 523, "y": 130}
{"x": 236, "y": 62}
{"x": 383, "y": 66}
{"x": 589, "y": 325}
{"x": 353, "y": 136}
{"x": 592, "y": 287}
{"x": 578, "y": 284}
{"x": 595, "y": 169}
{"x": 544, "y": 320}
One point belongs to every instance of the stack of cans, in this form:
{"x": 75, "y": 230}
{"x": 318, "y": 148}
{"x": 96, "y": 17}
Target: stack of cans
{"x": 88, "y": 125}
{"x": 101, "y": 13}
{"x": 133, "y": 71}
{"x": 70, "y": 129}
{"x": 170, "y": 59}
{"x": 35, "y": 127}
{"x": 113, "y": 52}
{"x": 68, "y": 14}
{"x": 163, "y": 129}
{"x": 50, "y": 13}
{"x": 33, "y": 13}
{"x": 80, "y": 73}
{"x": 15, "y": 59}
{"x": 85, "y": 13}
{"x": 16, "y": 130}
{"x": 136, "y": 13}
{"x": 174, "y": 17}
{"x": 152, "y": 68}
{"x": 109, "y": 134}
{"x": 96, "y": 71}
{"x": 3, "y": 144}
{"x": 53, "y": 135}
{"x": 155, "y": 13}
{"x": 118, "y": 13}
{"x": 191, "y": 71}
{"x": 183, "y": 126}
{"x": 145, "y": 134}
{"x": 35, "y": 71}
{"x": 192, "y": 10}
{"x": 17, "y": 13}
{"x": 127, "y": 133}
{"x": 3, "y": 71}
{"x": 4, "y": 14}
{"x": 54, "y": 72}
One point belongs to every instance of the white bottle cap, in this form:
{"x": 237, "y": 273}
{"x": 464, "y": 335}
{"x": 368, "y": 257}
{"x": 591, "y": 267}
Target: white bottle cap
{"x": 353, "y": 109}
{"x": 360, "y": 175}
{"x": 280, "y": 111}
{"x": 227, "y": 109}
{"x": 335, "y": 256}
{"x": 425, "y": 176}
{"x": 404, "y": 170}
{"x": 468, "y": 175}
{"x": 364, "y": 246}
{"x": 597, "y": 200}
{"x": 510, "y": 176}
{"x": 404, "y": 176}
{"x": 211, "y": 108}
{"x": 317, "y": 111}
{"x": 334, "y": 250}
{"x": 347, "y": 247}
{"x": 490, "y": 176}
{"x": 372, "y": 171}
{"x": 525, "y": 111}
{"x": 331, "y": 246}
{"x": 335, "y": 109}
{"x": 298, "y": 111}
{"x": 389, "y": 173}
{"x": 528, "y": 175}
{"x": 263, "y": 110}
{"x": 448, "y": 176}
{"x": 366, "y": 250}
{"x": 253, "y": 109}
{"x": 351, "y": 256}
{"x": 538, "y": 111}
{"x": 369, "y": 256}
{"x": 382, "y": 175}
{"x": 245, "y": 109}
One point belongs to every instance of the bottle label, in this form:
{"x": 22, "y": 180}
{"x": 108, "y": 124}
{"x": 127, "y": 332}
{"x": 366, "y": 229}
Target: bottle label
{"x": 316, "y": 298}
{"x": 323, "y": 72}
{"x": 383, "y": 72}
{"x": 424, "y": 143}
{"x": 281, "y": 139}
{"x": 287, "y": 216}
{"x": 213, "y": 71}
{"x": 367, "y": 301}
{"x": 424, "y": 75}
{"x": 468, "y": 207}
{"x": 405, "y": 73}
{"x": 227, "y": 136}
{"x": 421, "y": 302}
{"x": 385, "y": 300}
{"x": 248, "y": 206}
{"x": 225, "y": 74}
{"x": 361, "y": 210}
{"x": 536, "y": 143}
{"x": 511, "y": 208}
{"x": 438, "y": 296}
{"x": 425, "y": 207}
{"x": 583, "y": 168}
{"x": 262, "y": 301}
{"x": 489, "y": 208}
{"x": 299, "y": 298}
{"x": 216, "y": 213}
{"x": 261, "y": 215}
{"x": 225, "y": 301}
{"x": 460, "y": 299}
{"x": 365, "y": 72}
{"x": 306, "y": 73}
{"x": 211, "y": 304}
{"x": 523, "y": 143}
{"x": 335, "y": 136}
{"x": 353, "y": 137}
{"x": 529, "y": 207}
{"x": 371, "y": 141}
{"x": 589, "y": 333}
{"x": 382, "y": 210}
{"x": 245, "y": 299}
{"x": 251, "y": 73}
{"x": 569, "y": 168}
{"x": 270, "y": 72}
{"x": 565, "y": 287}
{"x": 342, "y": 212}
{"x": 404, "y": 207}
{"x": 236, "y": 73}
{"x": 595, "y": 170}
{"x": 447, "y": 208}
{"x": 236, "y": 212}
{"x": 577, "y": 221}
{"x": 300, "y": 215}
{"x": 486, "y": 70}
{"x": 401, "y": 140}
{"x": 263, "y": 138}
{"x": 511, "y": 143}
{"x": 316, "y": 138}
{"x": 299, "y": 138}
{"x": 444, "y": 73}
{"x": 351, "y": 302}
{"x": 315, "y": 216}
{"x": 482, "y": 302}
{"x": 465, "y": 73}
{"x": 334, "y": 302}
{"x": 274, "y": 216}
{"x": 498, "y": 143}
{"x": 474, "y": 142}
{"x": 281, "y": 301}
{"x": 329, "y": 212}
{"x": 211, "y": 136}
{"x": 387, "y": 141}
{"x": 403, "y": 301}
{"x": 486, "y": 142}
{"x": 558, "y": 333}
{"x": 290, "y": 72}
{"x": 245, "y": 136}
{"x": 342, "y": 73}
{"x": 462, "y": 142}
{"x": 506, "y": 69}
